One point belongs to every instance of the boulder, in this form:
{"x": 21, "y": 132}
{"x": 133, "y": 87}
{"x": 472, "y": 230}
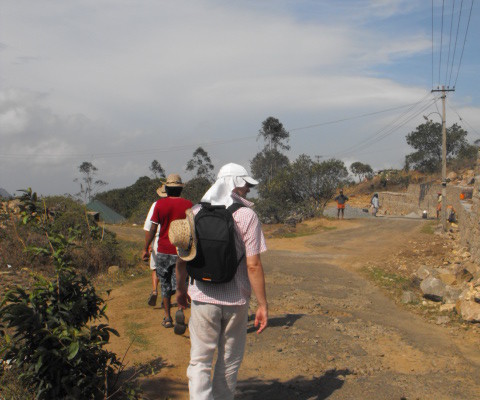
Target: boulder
{"x": 469, "y": 310}
{"x": 113, "y": 269}
{"x": 473, "y": 268}
{"x": 424, "y": 271}
{"x": 433, "y": 288}
{"x": 452, "y": 294}
{"x": 452, "y": 176}
{"x": 447, "y": 307}
{"x": 409, "y": 297}
{"x": 448, "y": 279}
{"x": 442, "y": 320}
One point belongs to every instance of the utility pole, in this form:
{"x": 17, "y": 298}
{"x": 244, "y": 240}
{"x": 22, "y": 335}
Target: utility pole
{"x": 443, "y": 214}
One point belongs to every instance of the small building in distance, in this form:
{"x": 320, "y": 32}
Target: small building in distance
{"x": 4, "y": 194}
{"x": 106, "y": 213}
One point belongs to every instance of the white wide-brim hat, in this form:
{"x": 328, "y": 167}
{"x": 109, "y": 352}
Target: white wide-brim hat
{"x": 236, "y": 170}
{"x": 181, "y": 234}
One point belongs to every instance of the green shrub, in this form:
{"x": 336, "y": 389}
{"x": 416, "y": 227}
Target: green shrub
{"x": 49, "y": 333}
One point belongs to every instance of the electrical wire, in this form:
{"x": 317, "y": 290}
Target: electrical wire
{"x": 441, "y": 43}
{"x": 389, "y": 132}
{"x": 464, "y": 41}
{"x": 450, "y": 39}
{"x": 456, "y": 40}
{"x": 194, "y": 145}
{"x": 432, "y": 44}
{"x": 463, "y": 119}
{"x": 386, "y": 130}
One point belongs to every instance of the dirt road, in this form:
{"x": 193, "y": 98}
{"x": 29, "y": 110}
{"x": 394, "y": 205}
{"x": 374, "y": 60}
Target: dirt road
{"x": 332, "y": 334}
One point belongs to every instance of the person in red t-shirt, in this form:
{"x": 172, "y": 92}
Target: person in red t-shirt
{"x": 167, "y": 210}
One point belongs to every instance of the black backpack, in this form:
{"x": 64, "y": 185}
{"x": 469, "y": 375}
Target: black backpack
{"x": 216, "y": 260}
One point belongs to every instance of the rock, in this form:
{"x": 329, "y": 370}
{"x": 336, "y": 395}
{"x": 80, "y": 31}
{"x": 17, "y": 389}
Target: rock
{"x": 113, "y": 269}
{"x": 469, "y": 310}
{"x": 473, "y": 269}
{"x": 408, "y": 297}
{"x": 442, "y": 320}
{"x": 452, "y": 294}
{"x": 452, "y": 175}
{"x": 433, "y": 288}
{"x": 447, "y": 307}
{"x": 424, "y": 271}
{"x": 448, "y": 279}
{"x": 463, "y": 275}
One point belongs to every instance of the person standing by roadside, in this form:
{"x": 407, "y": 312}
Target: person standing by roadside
{"x": 375, "y": 204}
{"x": 439, "y": 204}
{"x": 152, "y": 299}
{"x": 166, "y": 210}
{"x": 341, "y": 199}
{"x": 219, "y": 312}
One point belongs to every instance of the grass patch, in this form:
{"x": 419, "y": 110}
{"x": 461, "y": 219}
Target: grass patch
{"x": 280, "y": 231}
{"x": 429, "y": 227}
{"x": 133, "y": 332}
{"x": 388, "y": 280}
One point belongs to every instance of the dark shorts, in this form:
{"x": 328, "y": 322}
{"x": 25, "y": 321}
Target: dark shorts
{"x": 166, "y": 273}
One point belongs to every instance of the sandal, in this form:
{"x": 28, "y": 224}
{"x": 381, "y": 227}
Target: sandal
{"x": 167, "y": 322}
{"x": 180, "y": 326}
{"x": 152, "y": 300}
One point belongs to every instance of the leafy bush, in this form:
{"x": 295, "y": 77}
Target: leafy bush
{"x": 96, "y": 248}
{"x": 49, "y": 334}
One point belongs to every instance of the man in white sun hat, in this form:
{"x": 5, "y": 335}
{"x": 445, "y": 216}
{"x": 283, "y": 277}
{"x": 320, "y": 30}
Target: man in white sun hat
{"x": 219, "y": 311}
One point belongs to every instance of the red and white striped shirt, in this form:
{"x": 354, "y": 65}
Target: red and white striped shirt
{"x": 249, "y": 240}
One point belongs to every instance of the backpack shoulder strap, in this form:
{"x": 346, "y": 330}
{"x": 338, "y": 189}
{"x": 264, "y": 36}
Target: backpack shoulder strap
{"x": 234, "y": 207}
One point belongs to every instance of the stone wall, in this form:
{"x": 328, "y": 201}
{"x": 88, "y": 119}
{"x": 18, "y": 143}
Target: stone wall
{"x": 470, "y": 230}
{"x": 420, "y": 197}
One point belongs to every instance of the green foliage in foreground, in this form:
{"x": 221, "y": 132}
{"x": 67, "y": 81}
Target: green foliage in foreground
{"x": 48, "y": 334}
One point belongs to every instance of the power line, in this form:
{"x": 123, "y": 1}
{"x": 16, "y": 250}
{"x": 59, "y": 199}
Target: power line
{"x": 387, "y": 130}
{"x": 432, "y": 44}
{"x": 450, "y": 39}
{"x": 350, "y": 118}
{"x": 441, "y": 43}
{"x": 463, "y": 119}
{"x": 464, "y": 41}
{"x": 188, "y": 146}
{"x": 456, "y": 40}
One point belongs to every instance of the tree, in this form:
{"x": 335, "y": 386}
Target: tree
{"x": 195, "y": 189}
{"x": 88, "y": 186}
{"x": 361, "y": 170}
{"x": 270, "y": 160}
{"x": 302, "y": 188}
{"x": 157, "y": 169}
{"x": 202, "y": 164}
{"x": 321, "y": 182}
{"x": 274, "y": 134}
{"x": 427, "y": 141}
{"x": 265, "y": 165}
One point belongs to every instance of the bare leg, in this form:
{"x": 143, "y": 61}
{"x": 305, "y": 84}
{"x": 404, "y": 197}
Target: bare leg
{"x": 167, "y": 306}
{"x": 154, "y": 281}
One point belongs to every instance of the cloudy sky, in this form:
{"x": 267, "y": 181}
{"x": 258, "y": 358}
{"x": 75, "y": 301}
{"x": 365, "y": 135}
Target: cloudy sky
{"x": 120, "y": 83}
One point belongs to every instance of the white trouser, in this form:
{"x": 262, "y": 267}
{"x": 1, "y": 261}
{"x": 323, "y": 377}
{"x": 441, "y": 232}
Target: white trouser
{"x": 211, "y": 327}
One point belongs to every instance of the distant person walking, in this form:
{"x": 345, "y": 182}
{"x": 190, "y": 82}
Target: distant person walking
{"x": 166, "y": 210}
{"x": 152, "y": 299}
{"x": 375, "y": 204}
{"x": 341, "y": 199}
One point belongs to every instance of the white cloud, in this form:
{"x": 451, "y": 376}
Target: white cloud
{"x": 120, "y": 83}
